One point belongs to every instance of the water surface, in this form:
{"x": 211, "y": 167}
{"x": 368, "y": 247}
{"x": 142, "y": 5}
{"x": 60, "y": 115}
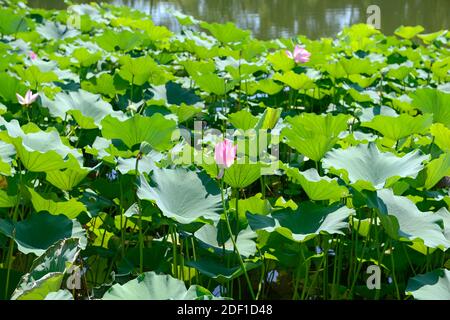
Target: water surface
{"x": 286, "y": 18}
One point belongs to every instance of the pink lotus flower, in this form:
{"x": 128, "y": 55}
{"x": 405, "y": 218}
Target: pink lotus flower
{"x": 300, "y": 55}
{"x": 224, "y": 155}
{"x": 28, "y": 99}
{"x": 33, "y": 55}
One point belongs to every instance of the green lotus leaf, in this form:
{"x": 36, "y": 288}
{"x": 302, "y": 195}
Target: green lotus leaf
{"x": 214, "y": 84}
{"x": 368, "y": 114}
{"x": 364, "y": 96}
{"x": 313, "y": 135}
{"x": 409, "y": 32}
{"x": 358, "y": 66}
{"x": 295, "y": 81}
{"x": 35, "y": 76}
{"x": 433, "y": 101}
{"x": 151, "y": 286}
{"x": 47, "y": 271}
{"x": 396, "y": 128}
{"x": 7, "y": 153}
{"x": 6, "y": 200}
{"x": 445, "y": 215}
{"x": 39, "y": 151}
{"x": 413, "y": 224}
{"x": 182, "y": 195}
{"x": 436, "y": 170}
{"x": 226, "y": 33}
{"x": 431, "y": 37}
{"x": 56, "y": 31}
{"x": 243, "y": 120}
{"x": 68, "y": 178}
{"x": 184, "y": 112}
{"x": 280, "y": 61}
{"x": 10, "y": 86}
{"x": 87, "y": 109}
{"x": 241, "y": 175}
{"x": 106, "y": 84}
{"x": 252, "y": 204}
{"x": 434, "y": 285}
{"x": 305, "y": 223}
{"x": 146, "y": 163}
{"x": 441, "y": 136}
{"x": 268, "y": 119}
{"x": 265, "y": 85}
{"x": 11, "y": 22}
{"x": 140, "y": 70}
{"x": 317, "y": 187}
{"x": 367, "y": 164}
{"x": 40, "y": 231}
{"x": 85, "y": 57}
{"x": 124, "y": 40}
{"x": 62, "y": 294}
{"x": 156, "y": 130}
{"x": 71, "y": 208}
{"x": 245, "y": 243}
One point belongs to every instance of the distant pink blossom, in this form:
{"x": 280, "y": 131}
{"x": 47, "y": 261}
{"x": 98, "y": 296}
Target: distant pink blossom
{"x": 300, "y": 55}
{"x": 33, "y": 55}
{"x": 224, "y": 155}
{"x": 28, "y": 99}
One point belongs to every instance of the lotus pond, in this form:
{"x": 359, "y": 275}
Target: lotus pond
{"x": 140, "y": 163}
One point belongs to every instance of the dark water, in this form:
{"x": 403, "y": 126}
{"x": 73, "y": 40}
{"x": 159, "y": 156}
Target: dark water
{"x": 286, "y": 18}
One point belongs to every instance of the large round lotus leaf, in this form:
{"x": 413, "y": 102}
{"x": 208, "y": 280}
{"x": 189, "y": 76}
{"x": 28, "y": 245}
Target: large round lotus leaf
{"x": 366, "y": 163}
{"x": 368, "y": 114}
{"x": 243, "y": 120}
{"x": 209, "y": 235}
{"x": 156, "y": 130}
{"x": 313, "y": 135}
{"x": 71, "y": 208}
{"x": 146, "y": 164}
{"x": 40, "y": 231}
{"x": 226, "y": 33}
{"x": 47, "y": 271}
{"x": 7, "y": 153}
{"x": 56, "y": 31}
{"x": 436, "y": 170}
{"x": 408, "y": 32}
{"x": 441, "y": 136}
{"x": 304, "y": 223}
{"x": 317, "y": 187}
{"x": 6, "y": 200}
{"x": 396, "y": 128}
{"x": 40, "y": 151}
{"x": 295, "y": 81}
{"x": 433, "y": 101}
{"x": 182, "y": 195}
{"x": 413, "y": 224}
{"x": 69, "y": 178}
{"x": 151, "y": 286}
{"x": 445, "y": 215}
{"x": 87, "y": 109}
{"x": 242, "y": 175}
{"x": 62, "y": 294}
{"x": 433, "y": 285}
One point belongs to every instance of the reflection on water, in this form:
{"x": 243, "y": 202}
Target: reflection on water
{"x": 286, "y": 18}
